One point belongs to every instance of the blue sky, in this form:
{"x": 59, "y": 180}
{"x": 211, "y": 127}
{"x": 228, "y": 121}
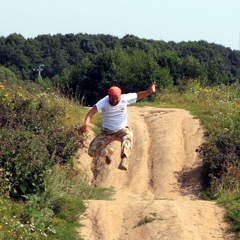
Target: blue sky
{"x": 215, "y": 21}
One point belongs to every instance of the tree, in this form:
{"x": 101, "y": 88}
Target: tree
{"x": 172, "y": 62}
{"x": 234, "y": 58}
{"x": 192, "y": 68}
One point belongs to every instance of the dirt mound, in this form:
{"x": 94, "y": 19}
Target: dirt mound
{"x": 157, "y": 198}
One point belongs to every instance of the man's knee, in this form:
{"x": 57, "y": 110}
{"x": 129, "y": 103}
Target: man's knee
{"x": 97, "y": 152}
{"x": 92, "y": 153}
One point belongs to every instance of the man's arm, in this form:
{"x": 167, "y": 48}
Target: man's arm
{"x": 143, "y": 94}
{"x": 88, "y": 119}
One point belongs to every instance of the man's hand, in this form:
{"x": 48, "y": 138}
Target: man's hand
{"x": 87, "y": 121}
{"x": 143, "y": 94}
{"x": 83, "y": 129}
{"x": 153, "y": 87}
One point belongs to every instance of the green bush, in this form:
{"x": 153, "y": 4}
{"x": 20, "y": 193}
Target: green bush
{"x": 24, "y": 160}
{"x": 217, "y": 153}
{"x": 33, "y": 138}
{"x": 7, "y": 75}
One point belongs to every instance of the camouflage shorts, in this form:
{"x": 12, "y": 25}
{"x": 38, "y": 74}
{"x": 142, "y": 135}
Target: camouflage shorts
{"x": 98, "y": 146}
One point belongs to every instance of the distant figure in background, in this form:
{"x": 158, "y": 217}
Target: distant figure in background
{"x": 114, "y": 124}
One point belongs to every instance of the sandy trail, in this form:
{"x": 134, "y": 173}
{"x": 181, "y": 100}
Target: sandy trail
{"x": 157, "y": 198}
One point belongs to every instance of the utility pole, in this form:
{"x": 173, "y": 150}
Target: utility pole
{"x": 39, "y": 69}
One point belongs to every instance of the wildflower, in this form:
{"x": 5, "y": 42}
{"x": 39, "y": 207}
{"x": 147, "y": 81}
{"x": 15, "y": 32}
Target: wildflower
{"x": 2, "y": 86}
{"x": 0, "y": 226}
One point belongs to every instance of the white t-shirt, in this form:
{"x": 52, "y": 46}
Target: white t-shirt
{"x": 115, "y": 117}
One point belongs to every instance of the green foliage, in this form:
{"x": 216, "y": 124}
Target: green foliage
{"x": 217, "y": 61}
{"x": 180, "y": 62}
{"x": 7, "y": 75}
{"x": 52, "y": 213}
{"x": 228, "y": 181}
{"x": 145, "y": 221}
{"x": 171, "y": 61}
{"x": 221, "y": 154}
{"x": 140, "y": 70}
{"x": 33, "y": 138}
{"x": 46, "y": 84}
{"x": 149, "y": 219}
{"x": 12, "y": 225}
{"x": 231, "y": 200}
{"x": 132, "y": 70}
{"x": 57, "y": 201}
{"x": 193, "y": 69}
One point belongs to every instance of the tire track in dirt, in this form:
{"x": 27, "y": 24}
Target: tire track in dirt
{"x": 157, "y": 198}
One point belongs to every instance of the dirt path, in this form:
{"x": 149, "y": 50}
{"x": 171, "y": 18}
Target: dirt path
{"x": 157, "y": 198}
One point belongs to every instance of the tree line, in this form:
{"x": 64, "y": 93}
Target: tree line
{"x": 85, "y": 65}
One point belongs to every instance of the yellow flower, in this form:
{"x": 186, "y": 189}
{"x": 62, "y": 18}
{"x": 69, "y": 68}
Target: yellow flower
{"x": 6, "y": 95}
{"x": 0, "y": 226}
{"x": 2, "y": 86}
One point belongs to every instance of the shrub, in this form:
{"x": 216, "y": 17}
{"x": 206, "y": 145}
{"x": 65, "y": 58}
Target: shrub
{"x": 33, "y": 138}
{"x": 7, "y": 75}
{"x": 220, "y": 151}
{"x": 24, "y": 160}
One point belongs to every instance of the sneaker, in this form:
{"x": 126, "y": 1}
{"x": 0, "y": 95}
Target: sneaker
{"x": 108, "y": 157}
{"x": 123, "y": 164}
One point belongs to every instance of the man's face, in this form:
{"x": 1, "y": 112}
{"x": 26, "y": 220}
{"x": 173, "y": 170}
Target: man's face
{"x": 114, "y": 100}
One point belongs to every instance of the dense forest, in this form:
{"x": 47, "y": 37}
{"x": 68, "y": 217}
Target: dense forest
{"x": 86, "y": 65}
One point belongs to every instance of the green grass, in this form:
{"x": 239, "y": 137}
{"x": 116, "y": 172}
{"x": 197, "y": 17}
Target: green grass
{"x": 231, "y": 201}
{"x": 149, "y": 219}
{"x": 145, "y": 220}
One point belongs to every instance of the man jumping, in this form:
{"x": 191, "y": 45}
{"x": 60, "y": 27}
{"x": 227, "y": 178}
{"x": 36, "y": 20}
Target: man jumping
{"x": 114, "y": 124}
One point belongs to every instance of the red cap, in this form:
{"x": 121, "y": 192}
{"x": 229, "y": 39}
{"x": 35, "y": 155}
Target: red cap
{"x": 114, "y": 91}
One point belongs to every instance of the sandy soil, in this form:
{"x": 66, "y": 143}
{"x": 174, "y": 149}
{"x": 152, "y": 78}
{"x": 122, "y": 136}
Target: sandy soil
{"x": 157, "y": 198}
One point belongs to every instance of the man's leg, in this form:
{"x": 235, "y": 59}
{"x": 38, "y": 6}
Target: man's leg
{"x": 125, "y": 135}
{"x": 98, "y": 146}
